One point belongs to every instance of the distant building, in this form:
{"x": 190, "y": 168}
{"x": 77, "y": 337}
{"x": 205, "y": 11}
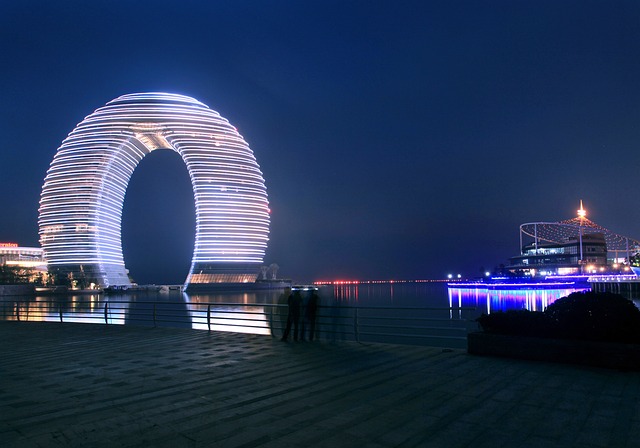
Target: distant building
{"x": 572, "y": 257}
{"x": 21, "y": 264}
{"x": 573, "y": 246}
{"x": 11, "y": 254}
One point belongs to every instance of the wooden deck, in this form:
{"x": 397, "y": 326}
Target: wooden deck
{"x": 95, "y": 385}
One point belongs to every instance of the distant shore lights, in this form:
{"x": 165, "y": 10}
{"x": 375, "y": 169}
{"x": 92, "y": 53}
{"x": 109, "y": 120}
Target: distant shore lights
{"x": 84, "y": 190}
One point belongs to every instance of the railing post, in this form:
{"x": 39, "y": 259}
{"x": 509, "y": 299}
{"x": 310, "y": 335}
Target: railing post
{"x": 18, "y": 311}
{"x": 106, "y": 313}
{"x": 154, "y": 315}
{"x": 60, "y": 311}
{"x": 355, "y": 324}
{"x": 209, "y": 317}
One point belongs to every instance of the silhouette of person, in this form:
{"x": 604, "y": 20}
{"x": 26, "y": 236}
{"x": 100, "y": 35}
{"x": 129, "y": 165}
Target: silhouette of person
{"x": 311, "y": 311}
{"x": 295, "y": 303}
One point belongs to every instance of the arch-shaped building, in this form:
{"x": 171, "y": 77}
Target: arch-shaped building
{"x": 84, "y": 190}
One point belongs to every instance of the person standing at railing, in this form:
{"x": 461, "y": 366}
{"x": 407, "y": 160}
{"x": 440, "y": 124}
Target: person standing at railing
{"x": 295, "y": 303}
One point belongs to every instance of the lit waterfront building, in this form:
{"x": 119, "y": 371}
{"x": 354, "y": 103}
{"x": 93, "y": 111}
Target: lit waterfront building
{"x": 84, "y": 190}
{"x": 573, "y": 246}
{"x": 25, "y": 264}
{"x": 12, "y": 254}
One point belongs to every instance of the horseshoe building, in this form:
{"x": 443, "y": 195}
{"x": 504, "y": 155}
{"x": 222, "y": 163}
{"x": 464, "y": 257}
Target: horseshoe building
{"x": 84, "y": 190}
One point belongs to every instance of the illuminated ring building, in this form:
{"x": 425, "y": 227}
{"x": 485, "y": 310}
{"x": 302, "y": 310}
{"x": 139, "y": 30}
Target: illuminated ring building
{"x": 84, "y": 189}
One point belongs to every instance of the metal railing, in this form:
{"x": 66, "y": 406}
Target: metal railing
{"x": 401, "y": 325}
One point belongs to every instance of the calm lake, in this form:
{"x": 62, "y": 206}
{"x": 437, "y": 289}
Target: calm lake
{"x": 399, "y": 312}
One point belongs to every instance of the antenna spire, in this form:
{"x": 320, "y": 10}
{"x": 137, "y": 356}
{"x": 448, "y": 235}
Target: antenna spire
{"x": 582, "y": 213}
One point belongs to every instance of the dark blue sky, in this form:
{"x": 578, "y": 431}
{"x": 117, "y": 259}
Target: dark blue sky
{"x": 397, "y": 139}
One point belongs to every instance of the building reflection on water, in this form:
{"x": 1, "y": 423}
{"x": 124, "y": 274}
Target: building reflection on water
{"x": 73, "y": 308}
{"x": 254, "y": 312}
{"x": 488, "y": 300}
{"x": 379, "y": 313}
{"x": 251, "y": 312}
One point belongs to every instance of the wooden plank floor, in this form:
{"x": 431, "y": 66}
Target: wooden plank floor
{"x": 96, "y": 385}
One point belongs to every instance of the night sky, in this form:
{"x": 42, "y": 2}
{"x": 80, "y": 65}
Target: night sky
{"x": 398, "y": 139}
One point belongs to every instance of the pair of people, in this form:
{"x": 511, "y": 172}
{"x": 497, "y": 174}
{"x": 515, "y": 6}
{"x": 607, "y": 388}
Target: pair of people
{"x": 297, "y": 309}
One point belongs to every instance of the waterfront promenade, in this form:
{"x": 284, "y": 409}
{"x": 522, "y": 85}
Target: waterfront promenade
{"x": 89, "y": 385}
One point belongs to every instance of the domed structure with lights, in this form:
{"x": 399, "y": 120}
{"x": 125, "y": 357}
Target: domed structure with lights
{"x": 573, "y": 246}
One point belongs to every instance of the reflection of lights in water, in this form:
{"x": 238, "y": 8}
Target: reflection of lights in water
{"x": 237, "y": 320}
{"x": 74, "y": 309}
{"x": 489, "y": 300}
{"x": 229, "y": 318}
{"x": 116, "y": 312}
{"x": 88, "y": 309}
{"x": 347, "y": 292}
